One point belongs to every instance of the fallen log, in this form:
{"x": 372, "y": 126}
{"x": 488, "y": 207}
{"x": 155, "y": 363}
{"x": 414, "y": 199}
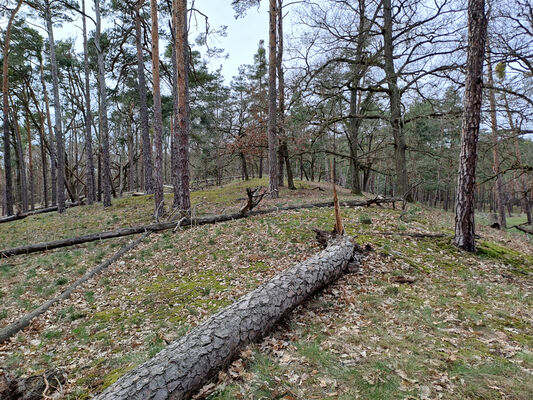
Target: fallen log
{"x": 184, "y": 222}
{"x": 10, "y": 330}
{"x": 35, "y": 212}
{"x": 522, "y": 228}
{"x": 187, "y": 364}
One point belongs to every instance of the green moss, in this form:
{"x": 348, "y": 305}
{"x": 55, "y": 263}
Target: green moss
{"x": 113, "y": 376}
{"x": 491, "y": 250}
{"x": 108, "y": 315}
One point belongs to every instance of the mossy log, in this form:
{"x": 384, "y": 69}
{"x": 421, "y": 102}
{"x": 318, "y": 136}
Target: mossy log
{"x": 38, "y": 247}
{"x": 183, "y": 367}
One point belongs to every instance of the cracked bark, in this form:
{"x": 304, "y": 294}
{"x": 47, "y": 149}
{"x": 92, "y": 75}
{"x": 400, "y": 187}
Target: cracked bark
{"x": 188, "y": 363}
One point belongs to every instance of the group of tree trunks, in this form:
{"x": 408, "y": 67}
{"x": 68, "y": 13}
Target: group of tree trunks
{"x": 188, "y": 363}
{"x": 184, "y": 222}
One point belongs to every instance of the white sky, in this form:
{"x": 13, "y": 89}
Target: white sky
{"x": 240, "y": 44}
{"x": 243, "y": 34}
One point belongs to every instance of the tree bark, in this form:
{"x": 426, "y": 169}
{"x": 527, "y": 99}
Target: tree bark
{"x": 90, "y": 177}
{"x": 8, "y": 203}
{"x": 188, "y": 363}
{"x": 182, "y": 118}
{"x": 272, "y": 108}
{"x": 60, "y": 143}
{"x": 284, "y": 150}
{"x": 104, "y": 130}
{"x": 174, "y": 131}
{"x": 23, "y": 187}
{"x": 158, "y": 119}
{"x": 148, "y": 186}
{"x": 131, "y": 152}
{"x": 51, "y": 142}
{"x": 31, "y": 178}
{"x": 465, "y": 207}
{"x": 400, "y": 146}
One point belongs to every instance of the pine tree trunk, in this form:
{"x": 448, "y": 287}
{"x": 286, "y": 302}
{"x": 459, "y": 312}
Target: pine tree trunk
{"x": 31, "y": 187}
{"x": 188, "y": 363}
{"x": 104, "y": 134}
{"x": 51, "y": 142}
{"x": 182, "y": 120}
{"x": 158, "y": 119}
{"x": 8, "y": 204}
{"x": 131, "y": 152}
{"x": 60, "y": 143}
{"x": 174, "y": 131}
{"x": 143, "y": 108}
{"x": 465, "y": 207}
{"x": 21, "y": 165}
{"x": 90, "y": 179}
{"x": 272, "y": 108}
{"x": 44, "y": 167}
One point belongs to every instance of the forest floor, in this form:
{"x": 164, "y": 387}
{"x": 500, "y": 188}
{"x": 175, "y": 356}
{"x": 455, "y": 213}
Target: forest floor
{"x": 463, "y": 329}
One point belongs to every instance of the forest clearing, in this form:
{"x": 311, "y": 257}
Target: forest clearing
{"x": 461, "y": 329}
{"x": 252, "y": 199}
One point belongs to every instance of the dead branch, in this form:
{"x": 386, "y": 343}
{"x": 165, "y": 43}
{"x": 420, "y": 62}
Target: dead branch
{"x": 254, "y": 198}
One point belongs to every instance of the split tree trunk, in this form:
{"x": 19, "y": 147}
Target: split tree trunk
{"x": 188, "y": 363}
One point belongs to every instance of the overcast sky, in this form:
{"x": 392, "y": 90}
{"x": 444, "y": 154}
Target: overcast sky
{"x": 240, "y": 44}
{"x": 243, "y": 34}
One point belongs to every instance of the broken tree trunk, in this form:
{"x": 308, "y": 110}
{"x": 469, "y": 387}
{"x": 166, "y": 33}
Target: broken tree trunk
{"x": 254, "y": 198}
{"x": 188, "y": 363}
{"x": 10, "y": 330}
{"x": 184, "y": 222}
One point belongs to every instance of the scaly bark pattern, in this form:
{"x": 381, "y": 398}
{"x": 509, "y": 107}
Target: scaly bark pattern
{"x": 186, "y": 364}
{"x": 465, "y": 206}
